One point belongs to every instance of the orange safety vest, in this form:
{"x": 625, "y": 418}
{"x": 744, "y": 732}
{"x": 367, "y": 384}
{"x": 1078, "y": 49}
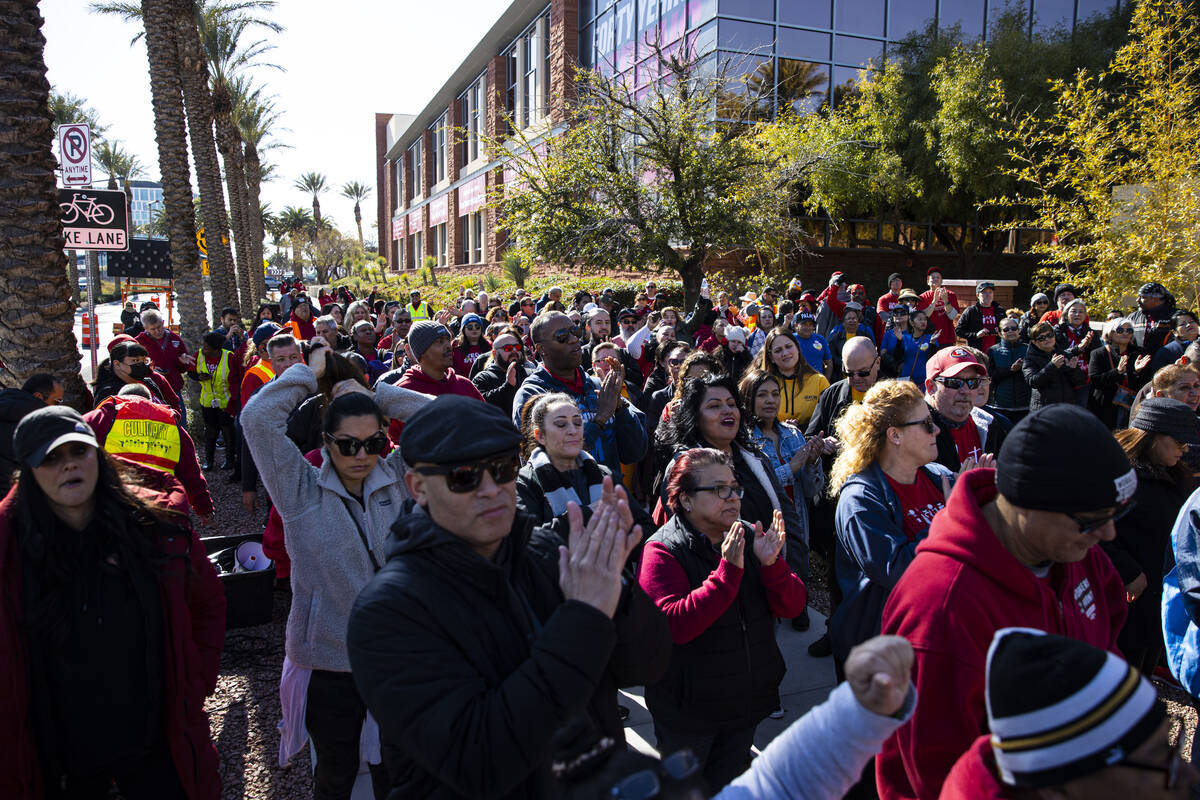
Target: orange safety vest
{"x": 145, "y": 432}
{"x": 263, "y": 370}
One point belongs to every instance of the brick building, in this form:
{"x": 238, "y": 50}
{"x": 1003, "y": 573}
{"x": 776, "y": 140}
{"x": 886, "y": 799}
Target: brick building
{"x": 432, "y": 184}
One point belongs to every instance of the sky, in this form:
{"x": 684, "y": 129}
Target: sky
{"x": 342, "y": 62}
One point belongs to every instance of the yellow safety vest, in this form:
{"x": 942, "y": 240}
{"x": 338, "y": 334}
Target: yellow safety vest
{"x": 145, "y": 432}
{"x": 419, "y": 312}
{"x": 214, "y": 393}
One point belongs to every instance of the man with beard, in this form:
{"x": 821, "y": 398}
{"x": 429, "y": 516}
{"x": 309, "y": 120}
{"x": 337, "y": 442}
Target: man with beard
{"x": 507, "y": 368}
{"x": 614, "y": 430}
{"x": 968, "y": 437}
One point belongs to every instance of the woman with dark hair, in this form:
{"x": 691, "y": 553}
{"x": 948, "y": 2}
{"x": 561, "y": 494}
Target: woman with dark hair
{"x": 1156, "y": 440}
{"x": 764, "y": 323}
{"x": 470, "y": 344}
{"x": 710, "y": 414}
{"x": 366, "y": 340}
{"x": 266, "y": 313}
{"x": 304, "y": 423}
{"x": 720, "y": 581}
{"x": 337, "y": 517}
{"x": 799, "y": 384}
{"x": 111, "y": 626}
{"x": 1050, "y": 373}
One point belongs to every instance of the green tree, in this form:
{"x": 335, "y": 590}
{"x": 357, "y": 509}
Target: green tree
{"x": 299, "y": 225}
{"x": 1114, "y": 171}
{"x": 357, "y": 192}
{"x": 257, "y": 119}
{"x": 36, "y": 315}
{"x": 650, "y": 180}
{"x": 331, "y": 254}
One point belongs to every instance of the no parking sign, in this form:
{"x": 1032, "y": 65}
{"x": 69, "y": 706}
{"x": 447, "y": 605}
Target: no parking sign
{"x": 75, "y": 154}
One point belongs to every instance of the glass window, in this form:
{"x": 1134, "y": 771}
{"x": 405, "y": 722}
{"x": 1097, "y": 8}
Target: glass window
{"x": 603, "y": 42}
{"x": 414, "y": 169}
{"x": 803, "y": 44}
{"x": 1053, "y": 13}
{"x": 586, "y": 55}
{"x": 968, "y": 14}
{"x": 1087, "y": 8}
{"x": 909, "y": 16}
{"x": 438, "y": 140}
{"x": 701, "y": 11}
{"x": 851, "y": 50}
{"x": 747, "y": 36}
{"x": 587, "y": 10}
{"x": 810, "y": 13}
{"x": 754, "y": 9}
{"x": 626, "y": 39}
{"x": 647, "y": 27}
{"x": 844, "y": 79}
{"x": 704, "y": 40}
{"x": 531, "y": 95}
{"x": 860, "y": 16}
{"x": 802, "y": 84}
{"x": 673, "y": 14}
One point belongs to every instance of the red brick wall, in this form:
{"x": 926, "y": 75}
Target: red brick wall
{"x": 384, "y": 200}
{"x": 564, "y": 54}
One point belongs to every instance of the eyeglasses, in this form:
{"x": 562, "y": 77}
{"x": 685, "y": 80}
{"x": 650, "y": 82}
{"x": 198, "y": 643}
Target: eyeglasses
{"x": 1087, "y": 525}
{"x": 861, "y": 373}
{"x": 563, "y": 335}
{"x": 723, "y": 491}
{"x": 1170, "y": 770}
{"x": 349, "y": 446}
{"x": 462, "y": 478}
{"x": 927, "y": 422}
{"x": 645, "y": 784}
{"x": 509, "y": 348}
{"x": 955, "y": 384}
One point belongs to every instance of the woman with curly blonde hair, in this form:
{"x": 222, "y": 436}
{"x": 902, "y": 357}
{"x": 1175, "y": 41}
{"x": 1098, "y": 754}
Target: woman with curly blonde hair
{"x": 888, "y": 489}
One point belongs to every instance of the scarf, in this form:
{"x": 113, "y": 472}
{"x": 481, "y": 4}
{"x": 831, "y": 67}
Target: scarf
{"x": 556, "y": 490}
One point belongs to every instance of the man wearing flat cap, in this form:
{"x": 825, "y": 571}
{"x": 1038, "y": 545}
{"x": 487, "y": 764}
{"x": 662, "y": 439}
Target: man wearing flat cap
{"x": 490, "y": 652}
{"x": 1014, "y": 547}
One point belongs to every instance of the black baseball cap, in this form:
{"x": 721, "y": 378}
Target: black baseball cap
{"x": 47, "y": 428}
{"x": 626, "y": 312}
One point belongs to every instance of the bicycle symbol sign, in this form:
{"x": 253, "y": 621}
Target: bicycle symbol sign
{"x": 75, "y": 154}
{"x": 93, "y": 219}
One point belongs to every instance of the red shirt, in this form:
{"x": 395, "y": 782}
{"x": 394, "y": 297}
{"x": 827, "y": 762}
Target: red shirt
{"x": 919, "y": 501}
{"x": 938, "y": 318}
{"x": 989, "y": 322}
{"x": 966, "y": 439}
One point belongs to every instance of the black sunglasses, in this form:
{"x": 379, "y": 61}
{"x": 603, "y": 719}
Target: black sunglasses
{"x": 563, "y": 335}
{"x": 927, "y": 422}
{"x": 349, "y": 446}
{"x": 461, "y": 478}
{"x": 955, "y": 384}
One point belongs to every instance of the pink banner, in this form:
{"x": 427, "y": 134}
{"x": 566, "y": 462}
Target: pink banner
{"x": 439, "y": 209}
{"x": 472, "y": 195}
{"x": 398, "y": 227}
{"x": 412, "y": 222}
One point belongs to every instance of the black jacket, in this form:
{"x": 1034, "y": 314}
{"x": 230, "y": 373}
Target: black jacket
{"x": 991, "y": 435}
{"x": 736, "y": 364}
{"x": 657, "y": 379}
{"x": 830, "y": 405}
{"x": 1142, "y": 543}
{"x": 492, "y": 383}
{"x": 108, "y": 384}
{"x": 1049, "y": 384}
{"x": 479, "y": 673}
{"x": 14, "y": 406}
{"x": 970, "y": 323}
{"x": 728, "y": 676}
{"x": 1106, "y": 378}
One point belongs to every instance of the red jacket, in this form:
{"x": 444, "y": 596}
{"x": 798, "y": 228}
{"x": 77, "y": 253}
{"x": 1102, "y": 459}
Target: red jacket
{"x": 166, "y": 355}
{"x": 975, "y": 775}
{"x": 187, "y": 471}
{"x": 960, "y": 589}
{"x": 193, "y": 610}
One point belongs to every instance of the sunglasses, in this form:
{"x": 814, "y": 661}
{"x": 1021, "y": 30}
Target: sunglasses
{"x": 859, "y": 373}
{"x": 509, "y": 348}
{"x": 927, "y": 422}
{"x": 1043, "y": 337}
{"x": 349, "y": 446}
{"x": 1087, "y": 524}
{"x": 563, "y": 335}
{"x": 473, "y": 327}
{"x": 462, "y": 478}
{"x": 1010, "y": 329}
{"x": 957, "y": 383}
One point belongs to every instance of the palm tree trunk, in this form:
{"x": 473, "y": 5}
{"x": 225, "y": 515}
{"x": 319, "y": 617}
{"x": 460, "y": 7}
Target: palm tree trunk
{"x": 36, "y": 316}
{"x": 230, "y": 145}
{"x": 73, "y": 276}
{"x": 170, "y": 131}
{"x": 193, "y": 75}
{"x": 255, "y": 221}
{"x": 358, "y": 221}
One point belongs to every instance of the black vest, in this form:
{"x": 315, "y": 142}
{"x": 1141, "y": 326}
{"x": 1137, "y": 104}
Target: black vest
{"x": 729, "y": 675}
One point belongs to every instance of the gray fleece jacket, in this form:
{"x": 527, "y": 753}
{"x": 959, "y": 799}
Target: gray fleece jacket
{"x": 330, "y": 560}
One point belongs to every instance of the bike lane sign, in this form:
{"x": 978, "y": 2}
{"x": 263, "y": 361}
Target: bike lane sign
{"x": 93, "y": 219}
{"x": 75, "y": 154}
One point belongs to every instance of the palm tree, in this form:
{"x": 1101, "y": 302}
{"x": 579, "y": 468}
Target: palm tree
{"x": 314, "y": 183}
{"x": 120, "y": 165}
{"x": 299, "y": 224}
{"x": 67, "y": 108}
{"x": 796, "y": 82}
{"x": 256, "y": 118}
{"x": 36, "y": 328}
{"x": 357, "y": 192}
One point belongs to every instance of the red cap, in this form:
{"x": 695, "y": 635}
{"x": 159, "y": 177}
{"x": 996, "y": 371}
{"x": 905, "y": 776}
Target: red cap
{"x": 932, "y": 270}
{"x": 950, "y": 362}
{"x": 858, "y": 287}
{"x": 808, "y": 297}
{"x": 116, "y": 340}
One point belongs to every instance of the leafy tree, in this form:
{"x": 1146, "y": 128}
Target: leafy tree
{"x": 299, "y": 226}
{"x": 332, "y": 254}
{"x": 650, "y": 179}
{"x": 1114, "y": 171}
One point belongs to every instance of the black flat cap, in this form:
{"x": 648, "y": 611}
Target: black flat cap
{"x": 457, "y": 430}
{"x": 1168, "y": 416}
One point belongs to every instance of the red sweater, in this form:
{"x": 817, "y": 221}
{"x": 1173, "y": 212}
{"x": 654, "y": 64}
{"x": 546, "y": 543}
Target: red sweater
{"x": 690, "y": 612}
{"x": 960, "y": 589}
{"x": 938, "y": 317}
{"x": 167, "y": 355}
{"x": 975, "y": 775}
{"x": 415, "y": 378}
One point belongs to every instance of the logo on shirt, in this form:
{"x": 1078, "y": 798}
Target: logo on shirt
{"x": 925, "y": 515}
{"x": 1086, "y": 599}
{"x": 817, "y": 345}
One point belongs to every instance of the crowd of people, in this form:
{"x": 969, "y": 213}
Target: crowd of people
{"x": 493, "y": 516}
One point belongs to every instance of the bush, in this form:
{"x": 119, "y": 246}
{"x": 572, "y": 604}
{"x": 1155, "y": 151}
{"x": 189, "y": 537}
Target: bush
{"x": 515, "y": 269}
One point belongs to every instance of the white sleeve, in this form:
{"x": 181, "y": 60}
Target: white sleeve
{"x": 638, "y": 341}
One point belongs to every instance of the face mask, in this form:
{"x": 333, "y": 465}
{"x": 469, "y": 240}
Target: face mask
{"x": 139, "y": 371}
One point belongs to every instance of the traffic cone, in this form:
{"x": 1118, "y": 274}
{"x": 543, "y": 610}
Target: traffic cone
{"x": 87, "y": 331}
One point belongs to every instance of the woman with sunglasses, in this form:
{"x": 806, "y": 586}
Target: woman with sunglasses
{"x": 1119, "y": 368}
{"x": 888, "y": 489}
{"x": 337, "y": 519}
{"x": 1038, "y": 305}
{"x": 505, "y": 368}
{"x": 470, "y": 344}
{"x": 1010, "y": 392}
{"x": 721, "y": 581}
{"x": 1051, "y": 375}
{"x": 1156, "y": 440}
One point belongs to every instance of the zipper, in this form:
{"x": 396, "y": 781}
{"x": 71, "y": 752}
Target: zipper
{"x": 745, "y": 637}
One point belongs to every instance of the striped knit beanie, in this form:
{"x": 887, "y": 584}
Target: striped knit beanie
{"x": 1059, "y": 709}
